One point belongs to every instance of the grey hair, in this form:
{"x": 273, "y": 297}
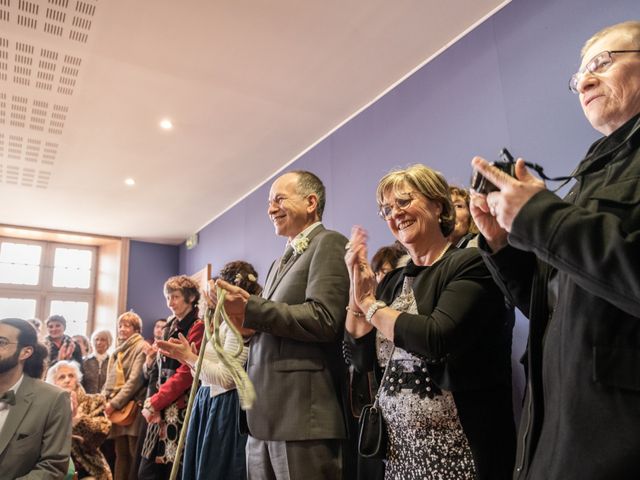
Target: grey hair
{"x": 309, "y": 183}
{"x": 632, "y": 27}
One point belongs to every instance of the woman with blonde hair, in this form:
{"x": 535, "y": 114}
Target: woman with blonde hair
{"x": 125, "y": 384}
{"x": 440, "y": 331}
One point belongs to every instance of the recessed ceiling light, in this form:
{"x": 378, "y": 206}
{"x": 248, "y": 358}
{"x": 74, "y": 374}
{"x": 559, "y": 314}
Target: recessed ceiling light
{"x": 130, "y": 182}
{"x": 166, "y": 124}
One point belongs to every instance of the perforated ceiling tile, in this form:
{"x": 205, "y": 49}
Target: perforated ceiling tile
{"x": 36, "y": 81}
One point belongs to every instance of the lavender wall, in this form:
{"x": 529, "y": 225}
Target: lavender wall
{"x": 150, "y": 265}
{"x": 504, "y": 84}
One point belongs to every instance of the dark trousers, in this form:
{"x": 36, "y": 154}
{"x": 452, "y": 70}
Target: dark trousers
{"x": 150, "y": 470}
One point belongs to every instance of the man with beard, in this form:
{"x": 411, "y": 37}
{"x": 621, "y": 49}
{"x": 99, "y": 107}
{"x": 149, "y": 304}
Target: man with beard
{"x": 35, "y": 417}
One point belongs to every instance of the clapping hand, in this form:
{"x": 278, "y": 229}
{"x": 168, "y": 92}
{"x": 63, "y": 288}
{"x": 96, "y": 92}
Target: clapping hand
{"x": 66, "y": 350}
{"x": 179, "y": 349}
{"x": 150, "y": 350}
{"x": 363, "y": 280}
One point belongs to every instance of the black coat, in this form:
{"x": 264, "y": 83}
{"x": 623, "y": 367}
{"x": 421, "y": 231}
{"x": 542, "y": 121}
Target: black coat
{"x": 573, "y": 268}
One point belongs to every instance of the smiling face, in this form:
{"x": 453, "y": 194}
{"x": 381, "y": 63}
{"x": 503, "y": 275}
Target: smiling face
{"x": 290, "y": 211}
{"x": 417, "y": 223}
{"x": 611, "y": 98}
{"x": 55, "y": 329}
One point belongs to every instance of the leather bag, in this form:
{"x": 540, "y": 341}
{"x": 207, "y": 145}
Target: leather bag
{"x": 126, "y": 415}
{"x": 372, "y": 429}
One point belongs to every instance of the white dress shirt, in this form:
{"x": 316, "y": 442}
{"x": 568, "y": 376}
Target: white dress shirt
{"x": 4, "y": 408}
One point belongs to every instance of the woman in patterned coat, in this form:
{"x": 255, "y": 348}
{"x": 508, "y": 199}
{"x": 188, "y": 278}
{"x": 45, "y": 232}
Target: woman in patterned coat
{"x": 90, "y": 424}
{"x": 165, "y": 410}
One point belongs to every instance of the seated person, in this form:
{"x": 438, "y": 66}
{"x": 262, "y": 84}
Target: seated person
{"x": 35, "y": 418}
{"x": 89, "y": 422}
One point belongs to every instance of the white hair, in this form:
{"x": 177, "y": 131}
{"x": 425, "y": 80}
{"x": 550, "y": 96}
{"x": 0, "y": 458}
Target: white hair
{"x": 53, "y": 370}
{"x": 107, "y": 333}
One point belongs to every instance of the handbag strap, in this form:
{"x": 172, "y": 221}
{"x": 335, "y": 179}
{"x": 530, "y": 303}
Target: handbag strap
{"x": 384, "y": 374}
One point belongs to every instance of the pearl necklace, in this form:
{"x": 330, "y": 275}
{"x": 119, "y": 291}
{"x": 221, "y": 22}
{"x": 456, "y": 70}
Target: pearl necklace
{"x": 446, "y": 247}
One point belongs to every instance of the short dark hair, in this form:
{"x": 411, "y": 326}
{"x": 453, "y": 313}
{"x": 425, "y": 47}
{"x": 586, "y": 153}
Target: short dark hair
{"x": 309, "y": 183}
{"x": 186, "y": 286}
{"x": 59, "y": 319}
{"x": 28, "y": 337}
{"x": 391, "y": 254}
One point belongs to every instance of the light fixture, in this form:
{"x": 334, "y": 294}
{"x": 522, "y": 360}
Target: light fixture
{"x": 129, "y": 182}
{"x": 166, "y": 124}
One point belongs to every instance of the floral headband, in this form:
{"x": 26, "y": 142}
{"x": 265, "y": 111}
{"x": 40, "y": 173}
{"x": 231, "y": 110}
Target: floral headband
{"x": 238, "y": 279}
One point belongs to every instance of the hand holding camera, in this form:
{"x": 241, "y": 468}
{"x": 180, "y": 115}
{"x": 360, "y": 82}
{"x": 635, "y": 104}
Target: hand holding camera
{"x": 499, "y": 191}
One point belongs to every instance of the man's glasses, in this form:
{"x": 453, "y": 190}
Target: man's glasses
{"x": 4, "y": 342}
{"x": 598, "y": 64}
{"x": 386, "y": 210}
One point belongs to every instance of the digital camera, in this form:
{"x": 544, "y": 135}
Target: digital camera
{"x": 506, "y": 163}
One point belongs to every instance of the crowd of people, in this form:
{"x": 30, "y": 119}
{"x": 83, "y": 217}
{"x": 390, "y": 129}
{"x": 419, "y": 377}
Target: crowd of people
{"x": 423, "y": 332}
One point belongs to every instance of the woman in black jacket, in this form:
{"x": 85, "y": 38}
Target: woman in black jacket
{"x": 446, "y": 396}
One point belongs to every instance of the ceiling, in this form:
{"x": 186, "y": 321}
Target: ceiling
{"x": 248, "y": 85}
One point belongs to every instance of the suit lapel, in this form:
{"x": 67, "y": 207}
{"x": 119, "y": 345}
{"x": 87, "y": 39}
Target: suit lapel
{"x": 277, "y": 278}
{"x": 24, "y": 398}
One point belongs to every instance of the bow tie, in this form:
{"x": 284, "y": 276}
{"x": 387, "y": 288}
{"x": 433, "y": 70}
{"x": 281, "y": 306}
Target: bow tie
{"x": 8, "y": 397}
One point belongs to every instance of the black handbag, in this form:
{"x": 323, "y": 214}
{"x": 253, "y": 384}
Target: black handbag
{"x": 372, "y": 429}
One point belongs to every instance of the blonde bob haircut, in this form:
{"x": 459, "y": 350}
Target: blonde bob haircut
{"x": 429, "y": 183}
{"x": 632, "y": 27}
{"x": 131, "y": 318}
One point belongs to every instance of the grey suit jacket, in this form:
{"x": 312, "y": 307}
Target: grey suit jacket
{"x": 294, "y": 357}
{"x": 35, "y": 442}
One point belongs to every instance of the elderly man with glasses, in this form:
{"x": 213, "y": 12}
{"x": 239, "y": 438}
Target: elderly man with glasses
{"x": 572, "y": 266}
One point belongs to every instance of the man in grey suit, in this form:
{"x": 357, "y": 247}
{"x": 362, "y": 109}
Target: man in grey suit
{"x": 296, "y": 425}
{"x": 35, "y": 417}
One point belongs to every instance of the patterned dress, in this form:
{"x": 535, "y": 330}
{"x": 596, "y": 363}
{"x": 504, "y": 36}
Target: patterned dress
{"x": 426, "y": 440}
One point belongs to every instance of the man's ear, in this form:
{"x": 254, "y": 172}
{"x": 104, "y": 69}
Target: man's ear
{"x": 25, "y": 352}
{"x": 312, "y": 203}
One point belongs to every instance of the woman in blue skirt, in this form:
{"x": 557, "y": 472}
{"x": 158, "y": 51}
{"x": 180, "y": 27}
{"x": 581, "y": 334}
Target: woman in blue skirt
{"x": 214, "y": 448}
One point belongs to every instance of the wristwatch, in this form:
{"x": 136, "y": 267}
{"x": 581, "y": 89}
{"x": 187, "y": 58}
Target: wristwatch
{"x": 373, "y": 309}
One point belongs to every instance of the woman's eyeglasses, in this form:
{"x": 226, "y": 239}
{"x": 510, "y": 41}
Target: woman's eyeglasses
{"x": 386, "y": 210}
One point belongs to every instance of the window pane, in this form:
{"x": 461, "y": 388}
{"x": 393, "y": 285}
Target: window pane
{"x": 75, "y": 313}
{"x": 20, "y": 263}
{"x": 72, "y": 268}
{"x": 18, "y": 307}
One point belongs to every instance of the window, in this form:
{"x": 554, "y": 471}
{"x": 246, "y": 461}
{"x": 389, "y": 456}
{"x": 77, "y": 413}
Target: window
{"x": 18, "y": 307}
{"x": 20, "y": 263}
{"x": 38, "y": 279}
